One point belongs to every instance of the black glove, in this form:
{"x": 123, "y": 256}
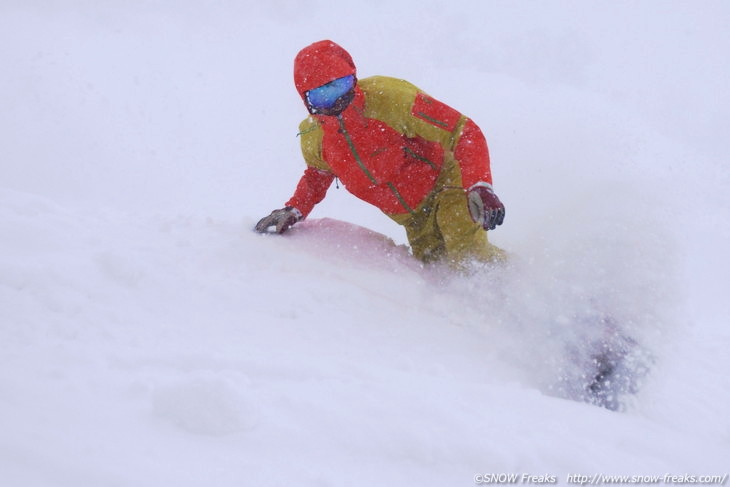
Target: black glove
{"x": 281, "y": 220}
{"x": 484, "y": 206}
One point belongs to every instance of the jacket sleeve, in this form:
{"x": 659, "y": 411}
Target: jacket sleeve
{"x": 311, "y": 189}
{"x": 456, "y": 133}
{"x": 472, "y": 154}
{"x": 318, "y": 177}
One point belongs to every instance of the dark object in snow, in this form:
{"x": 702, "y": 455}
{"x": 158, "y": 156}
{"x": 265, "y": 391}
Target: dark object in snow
{"x": 620, "y": 364}
{"x": 604, "y": 370}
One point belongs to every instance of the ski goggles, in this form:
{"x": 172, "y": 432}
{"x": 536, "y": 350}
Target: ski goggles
{"x": 327, "y": 95}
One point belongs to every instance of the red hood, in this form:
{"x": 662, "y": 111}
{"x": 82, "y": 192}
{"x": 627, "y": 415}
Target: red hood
{"x": 320, "y": 63}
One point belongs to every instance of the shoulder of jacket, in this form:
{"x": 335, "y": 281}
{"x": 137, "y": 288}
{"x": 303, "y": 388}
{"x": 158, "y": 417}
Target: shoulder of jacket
{"x": 389, "y": 100}
{"x": 310, "y": 135}
{"x": 410, "y": 111}
{"x": 387, "y": 86}
{"x": 308, "y": 125}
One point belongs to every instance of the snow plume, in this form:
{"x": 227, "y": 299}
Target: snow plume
{"x": 592, "y": 220}
{"x": 602, "y": 276}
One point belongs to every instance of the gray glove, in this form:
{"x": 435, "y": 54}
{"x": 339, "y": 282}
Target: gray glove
{"x": 281, "y": 220}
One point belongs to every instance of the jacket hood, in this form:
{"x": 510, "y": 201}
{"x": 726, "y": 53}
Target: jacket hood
{"x": 320, "y": 63}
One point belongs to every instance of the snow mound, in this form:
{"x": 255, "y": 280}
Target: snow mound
{"x": 169, "y": 341}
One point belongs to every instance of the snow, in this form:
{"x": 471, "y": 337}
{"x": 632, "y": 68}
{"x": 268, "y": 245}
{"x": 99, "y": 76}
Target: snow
{"x": 149, "y": 337}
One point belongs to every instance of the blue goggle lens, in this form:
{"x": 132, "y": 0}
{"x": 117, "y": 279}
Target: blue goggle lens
{"x": 327, "y": 95}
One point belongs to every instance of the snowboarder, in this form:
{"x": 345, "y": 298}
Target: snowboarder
{"x": 421, "y": 162}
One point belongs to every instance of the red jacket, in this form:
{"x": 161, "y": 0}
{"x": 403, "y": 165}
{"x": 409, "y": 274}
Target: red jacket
{"x": 388, "y": 146}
